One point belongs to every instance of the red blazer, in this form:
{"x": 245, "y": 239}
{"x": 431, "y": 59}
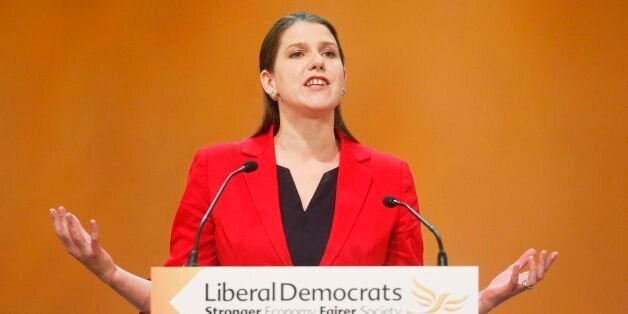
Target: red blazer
{"x": 245, "y": 228}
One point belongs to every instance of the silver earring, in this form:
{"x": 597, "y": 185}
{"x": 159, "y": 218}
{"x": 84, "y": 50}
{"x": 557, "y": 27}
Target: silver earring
{"x": 273, "y": 95}
{"x": 344, "y": 92}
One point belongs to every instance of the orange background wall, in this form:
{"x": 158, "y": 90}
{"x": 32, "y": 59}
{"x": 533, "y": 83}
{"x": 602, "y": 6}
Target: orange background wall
{"x": 512, "y": 115}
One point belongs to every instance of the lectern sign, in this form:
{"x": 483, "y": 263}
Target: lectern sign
{"x": 315, "y": 290}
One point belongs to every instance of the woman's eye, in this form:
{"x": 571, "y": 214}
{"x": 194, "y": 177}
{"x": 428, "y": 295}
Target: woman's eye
{"x": 296, "y": 54}
{"x": 330, "y": 54}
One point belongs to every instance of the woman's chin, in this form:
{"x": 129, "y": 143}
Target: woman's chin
{"x": 314, "y": 106}
{"x": 321, "y": 103}
{"x": 320, "y": 109}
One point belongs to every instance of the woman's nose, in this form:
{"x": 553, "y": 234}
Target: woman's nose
{"x": 317, "y": 63}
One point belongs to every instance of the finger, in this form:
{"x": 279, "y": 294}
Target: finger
{"x": 62, "y": 231}
{"x": 59, "y": 229}
{"x": 82, "y": 232}
{"x": 63, "y": 221}
{"x": 524, "y": 258}
{"x": 540, "y": 268}
{"x": 514, "y": 276}
{"x": 75, "y": 228}
{"x": 64, "y": 236}
{"x": 551, "y": 260}
{"x": 532, "y": 275}
{"x": 55, "y": 220}
{"x": 95, "y": 236}
{"x": 53, "y": 214}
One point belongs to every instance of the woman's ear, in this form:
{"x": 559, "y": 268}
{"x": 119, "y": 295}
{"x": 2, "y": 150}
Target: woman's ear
{"x": 268, "y": 82}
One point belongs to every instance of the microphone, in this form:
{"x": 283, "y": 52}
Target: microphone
{"x": 390, "y": 201}
{"x": 247, "y": 167}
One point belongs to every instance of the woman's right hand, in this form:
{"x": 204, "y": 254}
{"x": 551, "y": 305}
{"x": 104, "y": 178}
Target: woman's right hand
{"x": 83, "y": 246}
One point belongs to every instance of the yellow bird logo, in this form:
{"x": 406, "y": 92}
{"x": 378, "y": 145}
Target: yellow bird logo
{"x": 434, "y": 303}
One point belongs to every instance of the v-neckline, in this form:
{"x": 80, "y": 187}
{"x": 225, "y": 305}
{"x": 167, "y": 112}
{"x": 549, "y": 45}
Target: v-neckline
{"x": 293, "y": 186}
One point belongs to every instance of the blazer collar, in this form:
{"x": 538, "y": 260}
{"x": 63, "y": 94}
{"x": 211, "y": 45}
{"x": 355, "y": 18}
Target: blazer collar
{"x": 263, "y": 186}
{"x": 354, "y": 182}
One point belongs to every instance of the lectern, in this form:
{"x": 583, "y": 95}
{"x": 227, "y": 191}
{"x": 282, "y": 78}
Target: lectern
{"x": 314, "y": 290}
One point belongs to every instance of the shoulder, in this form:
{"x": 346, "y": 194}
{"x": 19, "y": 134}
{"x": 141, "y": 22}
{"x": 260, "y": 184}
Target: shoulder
{"x": 386, "y": 169}
{"x": 222, "y": 157}
{"x": 220, "y": 150}
{"x": 375, "y": 158}
{"x": 251, "y": 146}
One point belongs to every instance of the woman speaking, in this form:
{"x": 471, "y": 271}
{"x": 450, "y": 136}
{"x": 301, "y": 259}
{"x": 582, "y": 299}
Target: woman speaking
{"x": 316, "y": 197}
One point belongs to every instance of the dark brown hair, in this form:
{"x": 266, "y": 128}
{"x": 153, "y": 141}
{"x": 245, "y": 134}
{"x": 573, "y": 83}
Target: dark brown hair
{"x": 267, "y": 56}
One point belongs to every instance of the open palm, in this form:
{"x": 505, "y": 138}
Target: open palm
{"x": 511, "y": 281}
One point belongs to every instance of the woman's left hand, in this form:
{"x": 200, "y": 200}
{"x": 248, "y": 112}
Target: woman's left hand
{"x": 511, "y": 282}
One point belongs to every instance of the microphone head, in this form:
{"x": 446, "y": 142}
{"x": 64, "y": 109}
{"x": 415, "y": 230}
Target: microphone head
{"x": 390, "y": 201}
{"x": 249, "y": 166}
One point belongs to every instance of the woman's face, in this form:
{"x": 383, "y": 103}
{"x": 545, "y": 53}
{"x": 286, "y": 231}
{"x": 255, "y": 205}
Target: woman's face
{"x": 309, "y": 75}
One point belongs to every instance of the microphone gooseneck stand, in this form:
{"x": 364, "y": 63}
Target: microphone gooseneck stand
{"x": 441, "y": 259}
{"x": 247, "y": 167}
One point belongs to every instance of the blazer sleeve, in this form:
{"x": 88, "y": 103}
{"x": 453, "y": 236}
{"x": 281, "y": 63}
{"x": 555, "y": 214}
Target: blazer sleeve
{"x": 192, "y": 207}
{"x": 406, "y": 243}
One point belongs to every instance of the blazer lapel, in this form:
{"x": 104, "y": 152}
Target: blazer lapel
{"x": 354, "y": 182}
{"x": 262, "y": 185}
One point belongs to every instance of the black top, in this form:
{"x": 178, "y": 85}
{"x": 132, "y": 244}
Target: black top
{"x": 307, "y": 231}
